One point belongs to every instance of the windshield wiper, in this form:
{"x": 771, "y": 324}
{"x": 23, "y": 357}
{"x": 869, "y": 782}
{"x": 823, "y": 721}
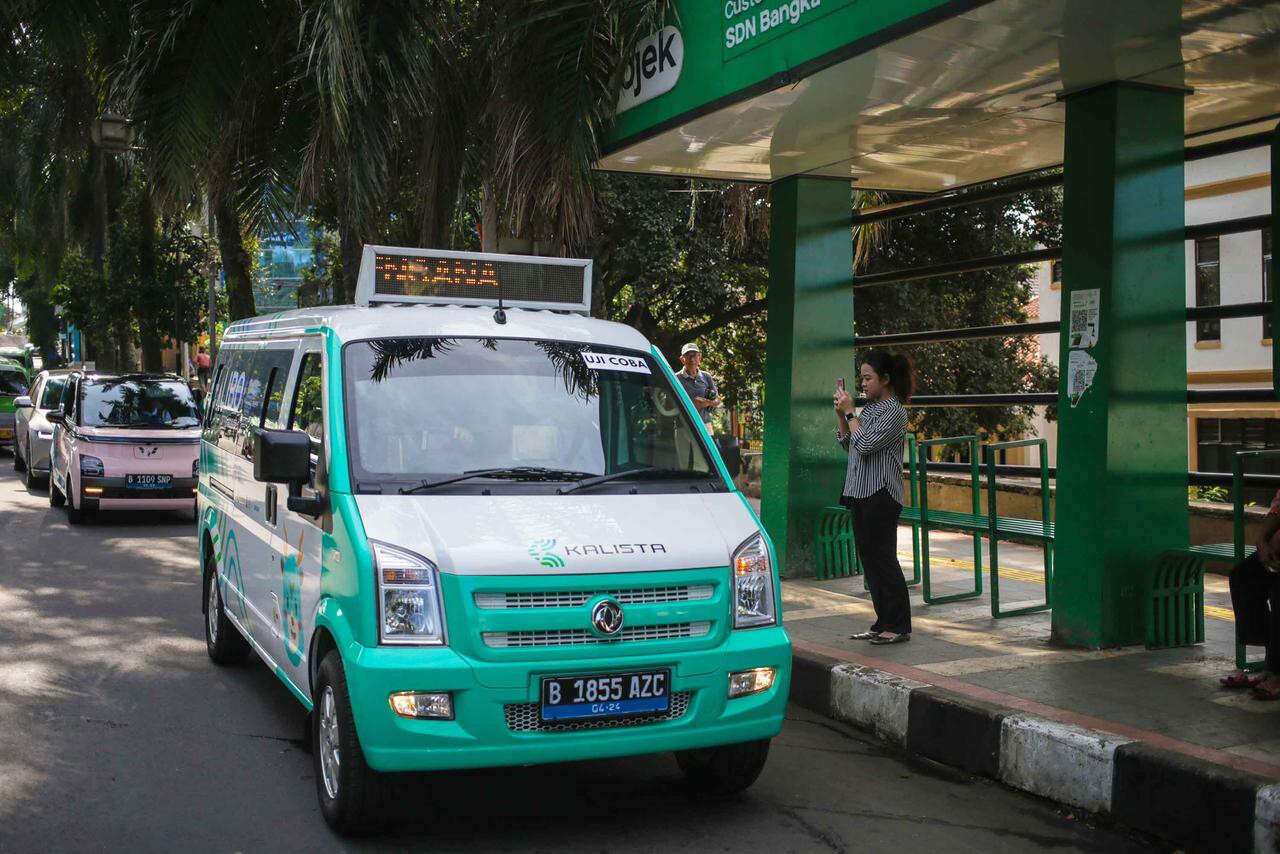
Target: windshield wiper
{"x": 507, "y": 472}
{"x": 618, "y": 475}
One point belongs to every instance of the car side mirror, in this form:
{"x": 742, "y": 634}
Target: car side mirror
{"x": 23, "y": 402}
{"x": 56, "y": 417}
{"x": 282, "y": 456}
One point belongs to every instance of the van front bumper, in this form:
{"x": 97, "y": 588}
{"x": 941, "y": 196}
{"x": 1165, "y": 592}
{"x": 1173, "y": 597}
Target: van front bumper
{"x": 490, "y": 725}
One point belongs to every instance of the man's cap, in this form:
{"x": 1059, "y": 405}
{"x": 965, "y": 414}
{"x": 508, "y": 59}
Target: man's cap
{"x": 689, "y": 348}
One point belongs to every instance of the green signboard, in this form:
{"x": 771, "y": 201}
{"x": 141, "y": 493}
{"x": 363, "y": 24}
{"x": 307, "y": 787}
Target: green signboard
{"x": 730, "y": 50}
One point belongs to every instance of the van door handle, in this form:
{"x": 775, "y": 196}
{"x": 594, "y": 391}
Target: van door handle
{"x": 270, "y": 502}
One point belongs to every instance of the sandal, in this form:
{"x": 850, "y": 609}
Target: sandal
{"x": 1239, "y": 681}
{"x": 1261, "y": 692}
{"x": 870, "y": 634}
{"x": 888, "y": 639}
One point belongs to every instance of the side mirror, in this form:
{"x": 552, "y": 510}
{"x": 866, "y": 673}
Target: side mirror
{"x": 730, "y": 453}
{"x": 23, "y": 402}
{"x": 56, "y": 417}
{"x": 282, "y": 456}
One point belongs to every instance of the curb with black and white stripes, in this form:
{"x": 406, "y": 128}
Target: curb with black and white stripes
{"x": 1189, "y": 801}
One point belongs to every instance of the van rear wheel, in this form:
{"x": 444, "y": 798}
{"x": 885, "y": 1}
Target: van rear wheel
{"x": 221, "y": 638}
{"x": 724, "y": 770}
{"x": 75, "y": 515}
{"x": 351, "y": 793}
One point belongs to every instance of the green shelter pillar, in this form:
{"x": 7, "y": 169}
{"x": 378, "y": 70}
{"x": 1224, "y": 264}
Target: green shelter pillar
{"x": 1122, "y": 406}
{"x": 809, "y": 345}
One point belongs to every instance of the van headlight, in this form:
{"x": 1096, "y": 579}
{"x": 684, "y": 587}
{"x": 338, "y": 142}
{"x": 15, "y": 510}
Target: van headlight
{"x": 409, "y": 609}
{"x": 753, "y": 602}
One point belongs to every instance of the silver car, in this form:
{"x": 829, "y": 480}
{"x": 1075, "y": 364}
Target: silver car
{"x": 33, "y": 434}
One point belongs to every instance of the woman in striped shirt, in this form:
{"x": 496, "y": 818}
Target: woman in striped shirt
{"x": 873, "y": 487}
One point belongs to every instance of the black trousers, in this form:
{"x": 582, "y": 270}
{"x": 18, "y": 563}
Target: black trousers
{"x": 875, "y": 533}
{"x": 1255, "y": 598}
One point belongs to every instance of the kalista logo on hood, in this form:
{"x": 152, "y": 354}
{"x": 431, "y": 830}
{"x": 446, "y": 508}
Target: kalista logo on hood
{"x": 542, "y": 550}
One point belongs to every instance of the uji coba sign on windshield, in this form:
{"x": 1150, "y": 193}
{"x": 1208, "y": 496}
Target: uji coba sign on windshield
{"x": 751, "y": 23}
{"x": 653, "y": 68}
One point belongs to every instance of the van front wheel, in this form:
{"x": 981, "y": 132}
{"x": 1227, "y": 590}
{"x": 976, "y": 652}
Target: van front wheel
{"x": 351, "y": 793}
{"x": 225, "y": 644}
{"x": 724, "y": 770}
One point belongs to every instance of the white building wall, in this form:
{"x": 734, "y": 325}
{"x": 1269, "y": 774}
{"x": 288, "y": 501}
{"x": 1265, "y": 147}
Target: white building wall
{"x": 1241, "y": 347}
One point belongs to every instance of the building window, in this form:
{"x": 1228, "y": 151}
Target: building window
{"x": 1266, "y": 279}
{"x": 1208, "y": 291}
{"x": 1218, "y": 439}
{"x": 1055, "y": 273}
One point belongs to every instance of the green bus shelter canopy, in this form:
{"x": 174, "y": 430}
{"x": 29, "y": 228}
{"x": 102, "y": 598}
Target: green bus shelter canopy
{"x": 923, "y": 96}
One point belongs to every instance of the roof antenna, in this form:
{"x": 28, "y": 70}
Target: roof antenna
{"x": 500, "y": 316}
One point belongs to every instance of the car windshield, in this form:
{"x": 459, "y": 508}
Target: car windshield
{"x": 12, "y": 381}
{"x": 420, "y": 409}
{"x": 52, "y": 394}
{"x": 134, "y": 402}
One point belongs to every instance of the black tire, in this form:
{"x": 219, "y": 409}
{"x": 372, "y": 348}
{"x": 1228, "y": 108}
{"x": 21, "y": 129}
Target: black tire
{"x": 75, "y": 515}
{"x": 222, "y": 639}
{"x": 56, "y": 498}
{"x": 724, "y": 770}
{"x": 18, "y": 463}
{"x": 352, "y": 795}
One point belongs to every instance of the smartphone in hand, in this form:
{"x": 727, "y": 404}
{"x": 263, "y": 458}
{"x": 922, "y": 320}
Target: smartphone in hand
{"x": 840, "y": 383}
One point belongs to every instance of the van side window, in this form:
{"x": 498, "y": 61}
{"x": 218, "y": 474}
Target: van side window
{"x": 276, "y": 365}
{"x": 307, "y": 415}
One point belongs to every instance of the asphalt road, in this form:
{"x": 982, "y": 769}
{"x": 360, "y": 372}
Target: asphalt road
{"x": 117, "y": 733}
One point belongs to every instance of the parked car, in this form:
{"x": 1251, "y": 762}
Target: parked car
{"x": 33, "y": 433}
{"x": 14, "y": 383}
{"x": 124, "y": 442}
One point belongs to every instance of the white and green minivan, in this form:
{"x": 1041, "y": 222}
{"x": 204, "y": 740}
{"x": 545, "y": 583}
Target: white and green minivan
{"x": 467, "y": 525}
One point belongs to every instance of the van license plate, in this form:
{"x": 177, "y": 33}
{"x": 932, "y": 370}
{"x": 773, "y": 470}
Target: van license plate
{"x": 568, "y": 697}
{"x": 148, "y": 481}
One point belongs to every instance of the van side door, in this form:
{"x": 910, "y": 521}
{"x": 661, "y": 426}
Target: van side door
{"x": 301, "y": 537}
{"x": 257, "y": 504}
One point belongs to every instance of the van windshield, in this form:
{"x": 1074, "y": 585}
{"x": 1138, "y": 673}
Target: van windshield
{"x": 138, "y": 402}
{"x": 424, "y": 408}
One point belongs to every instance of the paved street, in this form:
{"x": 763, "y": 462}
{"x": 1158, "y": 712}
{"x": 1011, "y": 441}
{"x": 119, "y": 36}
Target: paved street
{"x": 118, "y": 733}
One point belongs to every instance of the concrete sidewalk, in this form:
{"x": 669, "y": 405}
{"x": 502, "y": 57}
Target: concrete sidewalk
{"x": 1145, "y": 736}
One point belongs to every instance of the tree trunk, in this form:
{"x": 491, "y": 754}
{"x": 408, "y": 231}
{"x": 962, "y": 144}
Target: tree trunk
{"x": 351, "y": 247}
{"x": 152, "y": 354}
{"x": 235, "y": 261}
{"x": 489, "y": 219}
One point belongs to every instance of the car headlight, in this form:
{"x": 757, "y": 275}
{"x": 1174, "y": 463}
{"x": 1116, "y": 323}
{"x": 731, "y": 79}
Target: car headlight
{"x": 91, "y": 466}
{"x": 195, "y": 467}
{"x": 753, "y": 601}
{"x": 409, "y": 609}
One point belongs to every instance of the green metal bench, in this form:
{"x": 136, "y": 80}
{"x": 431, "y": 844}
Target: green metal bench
{"x": 1175, "y": 585}
{"x": 1009, "y": 527}
{"x": 973, "y": 522}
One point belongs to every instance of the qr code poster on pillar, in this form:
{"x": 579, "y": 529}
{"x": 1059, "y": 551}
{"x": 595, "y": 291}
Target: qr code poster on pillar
{"x": 1083, "y": 331}
{"x": 1081, "y": 369}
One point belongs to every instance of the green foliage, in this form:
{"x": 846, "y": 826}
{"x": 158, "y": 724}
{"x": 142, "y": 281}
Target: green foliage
{"x": 1209, "y": 493}
{"x": 985, "y": 298}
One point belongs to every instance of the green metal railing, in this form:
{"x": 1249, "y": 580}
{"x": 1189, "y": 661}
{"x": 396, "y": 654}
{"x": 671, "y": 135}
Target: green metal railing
{"x": 952, "y": 520}
{"x": 1019, "y": 527}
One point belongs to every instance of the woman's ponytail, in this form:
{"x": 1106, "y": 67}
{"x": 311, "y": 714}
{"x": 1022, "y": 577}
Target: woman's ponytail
{"x": 896, "y": 368}
{"x": 904, "y": 378}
